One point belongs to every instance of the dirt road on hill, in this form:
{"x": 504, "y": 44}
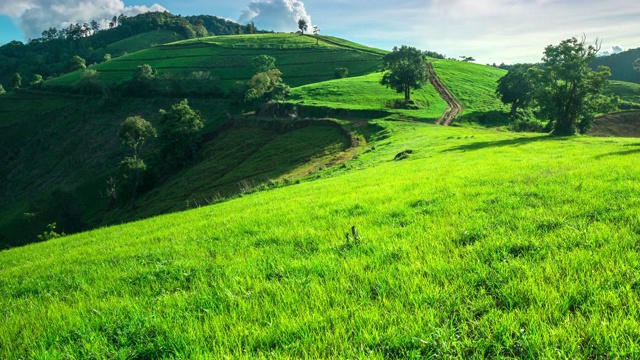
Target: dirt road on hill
{"x": 454, "y": 106}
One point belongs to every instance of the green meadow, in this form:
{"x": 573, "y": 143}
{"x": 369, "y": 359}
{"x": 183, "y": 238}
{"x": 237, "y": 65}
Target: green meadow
{"x": 357, "y": 230}
{"x": 454, "y": 257}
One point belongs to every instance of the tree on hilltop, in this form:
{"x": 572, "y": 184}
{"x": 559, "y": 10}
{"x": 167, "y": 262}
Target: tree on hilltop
{"x": 303, "y": 25}
{"x": 405, "y": 70}
{"x": 568, "y": 92}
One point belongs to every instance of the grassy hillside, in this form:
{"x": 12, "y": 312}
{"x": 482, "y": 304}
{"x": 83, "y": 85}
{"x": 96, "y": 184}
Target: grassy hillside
{"x": 142, "y": 41}
{"x": 474, "y": 87}
{"x": 366, "y": 93}
{"x": 227, "y": 59}
{"x": 628, "y": 92}
{"x": 456, "y": 258}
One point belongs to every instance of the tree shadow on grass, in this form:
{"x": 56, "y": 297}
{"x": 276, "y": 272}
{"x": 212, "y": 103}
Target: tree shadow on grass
{"x": 623, "y": 152}
{"x": 501, "y": 143}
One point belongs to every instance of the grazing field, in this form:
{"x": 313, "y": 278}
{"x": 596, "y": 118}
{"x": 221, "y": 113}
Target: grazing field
{"x": 141, "y": 42}
{"x": 227, "y": 59}
{"x": 454, "y": 257}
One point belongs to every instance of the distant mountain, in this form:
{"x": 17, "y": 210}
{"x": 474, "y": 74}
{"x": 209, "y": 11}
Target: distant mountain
{"x": 621, "y": 65}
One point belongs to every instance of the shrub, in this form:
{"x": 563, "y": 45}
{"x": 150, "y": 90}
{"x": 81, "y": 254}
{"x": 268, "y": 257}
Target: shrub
{"x": 341, "y": 73}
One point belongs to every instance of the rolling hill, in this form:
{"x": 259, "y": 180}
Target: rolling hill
{"x": 357, "y": 231}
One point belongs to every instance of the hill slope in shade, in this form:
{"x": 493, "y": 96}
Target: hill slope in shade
{"x": 455, "y": 257}
{"x": 625, "y": 123}
{"x": 621, "y": 65}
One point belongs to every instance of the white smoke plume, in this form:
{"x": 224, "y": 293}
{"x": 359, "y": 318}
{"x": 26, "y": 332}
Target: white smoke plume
{"x": 35, "y": 16}
{"x": 277, "y": 15}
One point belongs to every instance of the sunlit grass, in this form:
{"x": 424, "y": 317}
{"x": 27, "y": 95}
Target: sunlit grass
{"x": 480, "y": 244}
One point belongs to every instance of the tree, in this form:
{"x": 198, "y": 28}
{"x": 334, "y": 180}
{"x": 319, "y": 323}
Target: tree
{"x": 568, "y": 92}
{"x": 316, "y": 32}
{"x": 262, "y": 84}
{"x": 263, "y": 63}
{"x": 516, "y": 88}
{"x": 144, "y": 73}
{"x": 134, "y": 132}
{"x": 76, "y": 63}
{"x": 2, "y": 91}
{"x": 406, "y": 69}
{"x": 636, "y": 64}
{"x": 16, "y": 81}
{"x": 303, "y": 25}
{"x": 178, "y": 134}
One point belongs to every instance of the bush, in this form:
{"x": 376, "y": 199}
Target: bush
{"x": 341, "y": 73}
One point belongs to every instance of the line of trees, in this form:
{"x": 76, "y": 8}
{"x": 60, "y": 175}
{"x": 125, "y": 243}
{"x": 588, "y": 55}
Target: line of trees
{"x": 562, "y": 88}
{"x": 178, "y": 137}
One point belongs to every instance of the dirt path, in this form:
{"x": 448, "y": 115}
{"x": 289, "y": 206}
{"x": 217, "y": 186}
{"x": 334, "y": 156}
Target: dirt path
{"x": 454, "y": 106}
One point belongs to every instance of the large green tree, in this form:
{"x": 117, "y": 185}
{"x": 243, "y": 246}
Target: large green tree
{"x": 516, "y": 88}
{"x": 179, "y": 134}
{"x": 134, "y": 132}
{"x": 406, "y": 69}
{"x": 568, "y": 92}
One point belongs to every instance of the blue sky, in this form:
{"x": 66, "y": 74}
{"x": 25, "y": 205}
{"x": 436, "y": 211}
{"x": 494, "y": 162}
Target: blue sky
{"x": 489, "y": 30}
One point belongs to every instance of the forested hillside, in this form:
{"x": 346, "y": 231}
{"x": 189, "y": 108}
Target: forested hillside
{"x": 621, "y": 65}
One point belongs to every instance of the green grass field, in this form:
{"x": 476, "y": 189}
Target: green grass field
{"x": 456, "y": 258}
{"x": 366, "y": 93}
{"x": 227, "y": 59}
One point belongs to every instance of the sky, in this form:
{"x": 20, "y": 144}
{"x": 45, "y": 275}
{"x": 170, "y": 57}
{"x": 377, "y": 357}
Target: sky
{"x": 491, "y": 31}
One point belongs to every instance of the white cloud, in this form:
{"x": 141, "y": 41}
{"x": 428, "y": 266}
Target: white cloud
{"x": 34, "y": 16}
{"x": 277, "y": 15}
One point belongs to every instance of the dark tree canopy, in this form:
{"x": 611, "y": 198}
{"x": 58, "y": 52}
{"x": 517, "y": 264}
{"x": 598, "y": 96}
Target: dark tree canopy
{"x": 568, "y": 91}
{"x": 405, "y": 70}
{"x": 16, "y": 81}
{"x": 179, "y": 134}
{"x": 516, "y": 88}
{"x": 636, "y": 64}
{"x": 303, "y": 25}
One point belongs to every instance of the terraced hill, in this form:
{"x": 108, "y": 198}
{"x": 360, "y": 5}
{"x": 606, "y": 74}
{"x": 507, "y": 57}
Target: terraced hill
{"x": 227, "y": 59}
